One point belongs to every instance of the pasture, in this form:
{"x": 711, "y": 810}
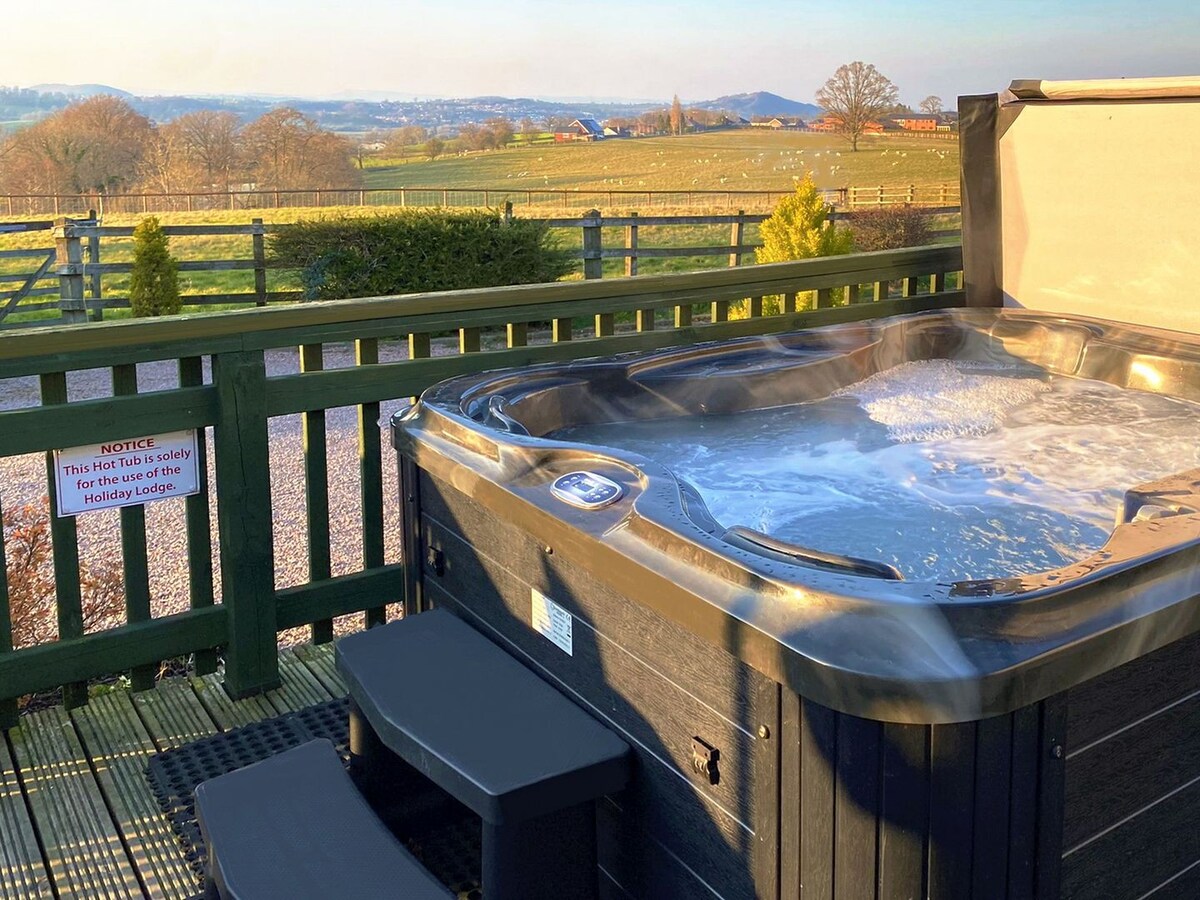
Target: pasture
{"x": 750, "y": 159}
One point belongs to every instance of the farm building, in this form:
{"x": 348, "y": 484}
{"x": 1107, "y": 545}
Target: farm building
{"x": 777, "y": 123}
{"x": 830, "y": 123}
{"x": 916, "y": 121}
{"x": 581, "y": 130}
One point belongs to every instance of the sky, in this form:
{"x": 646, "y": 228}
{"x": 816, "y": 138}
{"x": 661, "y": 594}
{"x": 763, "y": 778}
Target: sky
{"x": 617, "y": 49}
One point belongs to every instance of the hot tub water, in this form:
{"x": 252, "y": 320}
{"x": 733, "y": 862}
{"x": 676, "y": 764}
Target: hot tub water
{"x": 947, "y": 469}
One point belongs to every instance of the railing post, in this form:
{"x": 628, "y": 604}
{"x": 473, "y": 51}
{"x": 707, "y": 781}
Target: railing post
{"x": 244, "y": 522}
{"x": 593, "y": 264}
{"x": 8, "y": 707}
{"x": 508, "y": 213}
{"x": 68, "y": 251}
{"x": 879, "y": 202}
{"x": 260, "y": 263}
{"x": 631, "y": 242}
{"x": 736, "y": 233}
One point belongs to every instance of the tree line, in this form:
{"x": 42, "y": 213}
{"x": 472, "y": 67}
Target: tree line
{"x": 103, "y": 145}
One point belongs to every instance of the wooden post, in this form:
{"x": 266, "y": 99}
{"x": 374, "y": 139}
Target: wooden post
{"x": 508, "y": 213}
{"x": 402, "y": 201}
{"x": 244, "y": 522}
{"x": 260, "y": 263}
{"x": 362, "y": 196}
{"x": 911, "y": 192}
{"x": 445, "y": 198}
{"x": 593, "y": 265}
{"x": 277, "y": 198}
{"x": 68, "y": 249}
{"x": 94, "y": 260}
{"x": 8, "y": 708}
{"x": 736, "y": 234}
{"x": 880, "y": 200}
{"x": 631, "y": 243}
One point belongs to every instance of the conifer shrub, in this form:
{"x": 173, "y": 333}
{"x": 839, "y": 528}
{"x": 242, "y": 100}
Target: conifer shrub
{"x": 417, "y": 250}
{"x": 154, "y": 284}
{"x": 800, "y": 228}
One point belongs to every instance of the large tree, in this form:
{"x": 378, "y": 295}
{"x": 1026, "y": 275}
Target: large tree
{"x": 932, "y": 105}
{"x": 285, "y": 149}
{"x": 94, "y": 145}
{"x": 213, "y": 143}
{"x": 855, "y": 96}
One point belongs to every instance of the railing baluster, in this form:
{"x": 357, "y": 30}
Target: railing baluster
{"x": 316, "y": 489}
{"x": 199, "y": 523}
{"x": 882, "y": 290}
{"x": 133, "y": 545}
{"x": 65, "y": 540}
{"x": 719, "y": 311}
{"x": 606, "y": 325}
{"x": 517, "y": 334}
{"x": 8, "y": 707}
{"x": 560, "y": 331}
{"x": 469, "y": 338}
{"x": 908, "y": 286}
{"x": 370, "y": 456}
{"x": 683, "y": 315}
{"x": 756, "y": 307}
{"x": 937, "y": 282}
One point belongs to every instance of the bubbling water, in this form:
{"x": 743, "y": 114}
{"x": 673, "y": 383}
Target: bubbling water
{"x": 947, "y": 469}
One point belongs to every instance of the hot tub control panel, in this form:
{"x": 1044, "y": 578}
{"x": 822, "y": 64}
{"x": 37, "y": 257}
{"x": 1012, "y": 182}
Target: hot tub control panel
{"x": 586, "y": 490}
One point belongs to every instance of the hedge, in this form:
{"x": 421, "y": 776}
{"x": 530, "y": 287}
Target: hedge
{"x": 417, "y": 250}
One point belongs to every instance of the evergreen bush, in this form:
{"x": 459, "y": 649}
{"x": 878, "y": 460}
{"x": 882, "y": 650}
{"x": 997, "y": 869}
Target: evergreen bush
{"x": 154, "y": 284}
{"x": 417, "y": 250}
{"x": 799, "y": 228}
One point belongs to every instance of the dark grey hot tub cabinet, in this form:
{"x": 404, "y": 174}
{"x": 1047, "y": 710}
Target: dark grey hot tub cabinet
{"x": 1044, "y": 743}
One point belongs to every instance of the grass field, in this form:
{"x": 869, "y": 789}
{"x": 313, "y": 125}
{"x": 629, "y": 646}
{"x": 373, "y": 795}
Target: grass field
{"x": 745, "y": 159}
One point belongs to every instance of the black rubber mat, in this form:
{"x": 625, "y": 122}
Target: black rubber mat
{"x": 449, "y": 848}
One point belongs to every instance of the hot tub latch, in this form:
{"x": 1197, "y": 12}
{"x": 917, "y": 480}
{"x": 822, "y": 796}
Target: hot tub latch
{"x": 435, "y": 560}
{"x": 704, "y": 760}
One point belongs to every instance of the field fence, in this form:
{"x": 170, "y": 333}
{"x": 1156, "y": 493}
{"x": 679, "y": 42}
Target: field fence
{"x": 526, "y": 202}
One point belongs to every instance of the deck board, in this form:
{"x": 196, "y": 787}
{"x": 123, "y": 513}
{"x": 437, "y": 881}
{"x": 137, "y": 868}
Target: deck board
{"x": 319, "y": 660}
{"x": 173, "y": 714}
{"x": 120, "y": 747}
{"x": 300, "y": 686}
{"x": 82, "y": 820}
{"x": 83, "y": 845}
{"x": 22, "y": 870}
{"x": 226, "y": 712}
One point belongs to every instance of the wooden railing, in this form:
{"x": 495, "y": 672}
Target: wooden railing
{"x": 528, "y": 200}
{"x": 587, "y": 320}
{"x": 74, "y": 284}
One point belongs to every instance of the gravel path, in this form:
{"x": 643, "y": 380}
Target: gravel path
{"x": 23, "y": 480}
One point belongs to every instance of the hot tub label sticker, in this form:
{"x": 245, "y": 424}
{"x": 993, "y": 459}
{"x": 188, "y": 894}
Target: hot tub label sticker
{"x": 126, "y": 473}
{"x": 552, "y": 621}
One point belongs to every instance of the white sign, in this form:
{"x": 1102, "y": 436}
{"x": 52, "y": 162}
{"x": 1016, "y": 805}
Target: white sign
{"x": 126, "y": 473}
{"x": 552, "y": 621}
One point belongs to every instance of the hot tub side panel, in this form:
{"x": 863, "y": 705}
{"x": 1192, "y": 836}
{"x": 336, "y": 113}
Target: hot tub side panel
{"x": 1133, "y": 780}
{"x": 810, "y": 802}
{"x": 671, "y": 833}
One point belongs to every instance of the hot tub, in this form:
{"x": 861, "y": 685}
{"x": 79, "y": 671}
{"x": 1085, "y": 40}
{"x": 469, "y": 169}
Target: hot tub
{"x": 809, "y": 719}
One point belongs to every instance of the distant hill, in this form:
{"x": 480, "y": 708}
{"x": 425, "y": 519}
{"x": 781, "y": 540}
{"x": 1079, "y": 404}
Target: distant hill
{"x": 760, "y": 103}
{"x": 80, "y": 90}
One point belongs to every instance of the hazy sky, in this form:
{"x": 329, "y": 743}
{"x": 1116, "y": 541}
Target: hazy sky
{"x": 614, "y": 48}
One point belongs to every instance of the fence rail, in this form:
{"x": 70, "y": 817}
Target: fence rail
{"x": 533, "y": 199}
{"x": 81, "y": 283}
{"x": 240, "y": 399}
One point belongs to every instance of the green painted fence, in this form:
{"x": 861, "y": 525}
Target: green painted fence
{"x": 496, "y": 327}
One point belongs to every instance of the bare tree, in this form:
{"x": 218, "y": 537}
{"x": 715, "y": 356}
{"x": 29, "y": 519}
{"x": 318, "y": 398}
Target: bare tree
{"x": 676, "y": 115}
{"x": 932, "y": 105}
{"x": 214, "y": 145}
{"x": 528, "y": 126}
{"x": 501, "y": 129}
{"x": 285, "y": 149}
{"x": 434, "y": 147}
{"x": 94, "y": 145}
{"x": 855, "y": 96}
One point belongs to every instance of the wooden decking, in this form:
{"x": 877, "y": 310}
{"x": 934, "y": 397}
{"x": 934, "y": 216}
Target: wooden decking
{"x": 77, "y": 816}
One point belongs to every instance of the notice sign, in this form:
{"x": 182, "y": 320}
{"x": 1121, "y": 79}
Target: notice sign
{"x": 126, "y": 473}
